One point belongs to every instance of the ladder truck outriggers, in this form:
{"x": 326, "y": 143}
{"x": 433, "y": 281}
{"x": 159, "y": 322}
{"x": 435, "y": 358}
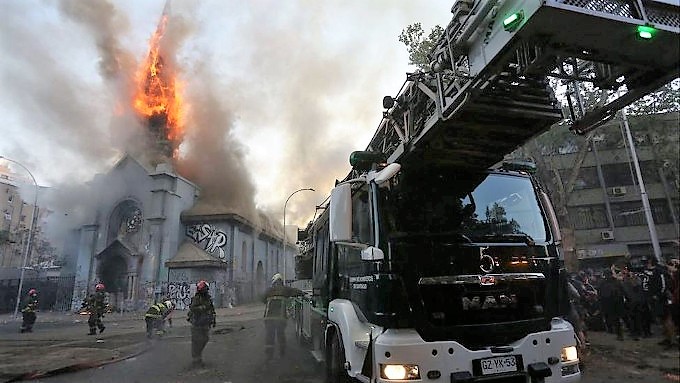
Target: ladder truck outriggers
{"x": 427, "y": 266}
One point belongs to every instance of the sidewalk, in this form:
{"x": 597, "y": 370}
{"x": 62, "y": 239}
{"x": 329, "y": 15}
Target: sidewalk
{"x": 59, "y": 342}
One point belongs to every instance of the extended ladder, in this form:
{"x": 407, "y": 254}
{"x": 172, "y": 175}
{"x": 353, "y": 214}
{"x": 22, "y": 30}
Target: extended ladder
{"x": 488, "y": 88}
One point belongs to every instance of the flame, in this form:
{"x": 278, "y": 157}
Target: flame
{"x": 158, "y": 94}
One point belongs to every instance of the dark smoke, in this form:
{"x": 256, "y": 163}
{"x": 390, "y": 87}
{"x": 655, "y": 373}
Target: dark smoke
{"x": 284, "y": 78}
{"x": 213, "y": 158}
{"x": 105, "y": 23}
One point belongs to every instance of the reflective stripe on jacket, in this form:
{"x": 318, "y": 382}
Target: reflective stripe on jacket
{"x": 156, "y": 311}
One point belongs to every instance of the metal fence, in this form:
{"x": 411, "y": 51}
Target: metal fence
{"x": 54, "y": 293}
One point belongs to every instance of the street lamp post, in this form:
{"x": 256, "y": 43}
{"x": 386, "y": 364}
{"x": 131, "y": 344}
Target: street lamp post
{"x": 284, "y": 229}
{"x": 30, "y": 234}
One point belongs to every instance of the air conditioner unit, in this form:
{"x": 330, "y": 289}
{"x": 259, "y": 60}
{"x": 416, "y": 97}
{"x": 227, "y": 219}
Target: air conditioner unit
{"x": 619, "y": 190}
{"x": 607, "y": 235}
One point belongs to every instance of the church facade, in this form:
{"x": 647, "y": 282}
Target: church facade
{"x": 143, "y": 243}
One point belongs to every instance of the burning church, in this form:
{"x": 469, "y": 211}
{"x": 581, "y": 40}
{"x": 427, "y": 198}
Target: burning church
{"x": 151, "y": 234}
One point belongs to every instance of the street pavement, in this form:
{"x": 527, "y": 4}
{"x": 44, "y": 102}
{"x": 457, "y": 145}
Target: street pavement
{"x": 59, "y": 352}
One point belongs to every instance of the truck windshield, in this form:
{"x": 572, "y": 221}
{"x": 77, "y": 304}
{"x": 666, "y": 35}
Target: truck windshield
{"x": 486, "y": 207}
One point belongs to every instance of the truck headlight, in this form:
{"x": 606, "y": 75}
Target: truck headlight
{"x": 569, "y": 354}
{"x": 399, "y": 371}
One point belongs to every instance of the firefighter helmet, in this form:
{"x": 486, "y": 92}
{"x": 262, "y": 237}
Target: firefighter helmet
{"x": 202, "y": 286}
{"x": 99, "y": 287}
{"x": 277, "y": 278}
{"x": 32, "y": 292}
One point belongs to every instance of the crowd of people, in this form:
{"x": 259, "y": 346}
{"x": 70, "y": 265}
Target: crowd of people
{"x": 627, "y": 301}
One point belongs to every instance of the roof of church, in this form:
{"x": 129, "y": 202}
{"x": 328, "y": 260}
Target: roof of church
{"x": 190, "y": 255}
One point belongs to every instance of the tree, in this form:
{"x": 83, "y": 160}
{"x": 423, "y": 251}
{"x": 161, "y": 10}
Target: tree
{"x": 417, "y": 45}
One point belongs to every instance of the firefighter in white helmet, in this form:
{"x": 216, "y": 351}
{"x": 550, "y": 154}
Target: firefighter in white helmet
{"x": 276, "y": 300}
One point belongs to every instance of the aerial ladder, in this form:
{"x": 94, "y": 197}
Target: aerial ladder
{"x": 488, "y": 89}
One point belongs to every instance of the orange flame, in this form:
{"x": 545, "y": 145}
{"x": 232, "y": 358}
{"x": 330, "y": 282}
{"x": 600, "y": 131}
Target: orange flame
{"x": 158, "y": 96}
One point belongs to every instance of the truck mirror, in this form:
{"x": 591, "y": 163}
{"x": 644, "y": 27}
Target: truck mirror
{"x": 372, "y": 253}
{"x": 340, "y": 219}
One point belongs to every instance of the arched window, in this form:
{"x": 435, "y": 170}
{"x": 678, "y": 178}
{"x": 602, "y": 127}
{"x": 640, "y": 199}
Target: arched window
{"x": 125, "y": 221}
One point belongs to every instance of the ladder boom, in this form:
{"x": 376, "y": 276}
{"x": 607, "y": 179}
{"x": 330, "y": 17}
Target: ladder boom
{"x": 488, "y": 89}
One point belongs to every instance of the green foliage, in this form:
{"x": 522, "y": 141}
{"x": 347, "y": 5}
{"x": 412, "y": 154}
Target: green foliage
{"x": 418, "y": 45}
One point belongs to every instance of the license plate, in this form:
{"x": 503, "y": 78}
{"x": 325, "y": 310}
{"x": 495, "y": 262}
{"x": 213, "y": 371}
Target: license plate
{"x": 498, "y": 365}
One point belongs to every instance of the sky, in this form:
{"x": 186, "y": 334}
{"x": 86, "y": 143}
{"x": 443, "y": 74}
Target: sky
{"x": 280, "y": 92}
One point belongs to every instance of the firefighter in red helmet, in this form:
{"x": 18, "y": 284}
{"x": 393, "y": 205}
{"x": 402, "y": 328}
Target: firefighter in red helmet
{"x": 201, "y": 316}
{"x": 28, "y": 312}
{"x": 95, "y": 304}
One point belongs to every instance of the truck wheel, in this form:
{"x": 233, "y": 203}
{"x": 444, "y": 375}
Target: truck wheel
{"x": 335, "y": 363}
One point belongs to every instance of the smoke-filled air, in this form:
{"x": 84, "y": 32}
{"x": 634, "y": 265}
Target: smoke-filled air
{"x": 255, "y": 99}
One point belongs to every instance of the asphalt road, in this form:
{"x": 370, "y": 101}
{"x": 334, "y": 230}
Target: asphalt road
{"x": 234, "y": 354}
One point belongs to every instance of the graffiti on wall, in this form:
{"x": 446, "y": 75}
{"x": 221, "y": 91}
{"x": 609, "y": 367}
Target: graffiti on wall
{"x": 212, "y": 238}
{"x": 180, "y": 294}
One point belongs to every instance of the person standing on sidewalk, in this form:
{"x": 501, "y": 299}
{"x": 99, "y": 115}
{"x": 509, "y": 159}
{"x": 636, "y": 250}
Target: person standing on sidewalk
{"x": 201, "y": 316}
{"x": 96, "y": 305}
{"x": 275, "y": 317}
{"x": 28, "y": 312}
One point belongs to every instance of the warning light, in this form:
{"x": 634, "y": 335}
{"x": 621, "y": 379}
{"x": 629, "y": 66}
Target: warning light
{"x": 645, "y": 32}
{"x": 513, "y": 21}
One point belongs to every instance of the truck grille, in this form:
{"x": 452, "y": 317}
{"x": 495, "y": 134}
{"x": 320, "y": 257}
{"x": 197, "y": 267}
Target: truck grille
{"x": 476, "y": 310}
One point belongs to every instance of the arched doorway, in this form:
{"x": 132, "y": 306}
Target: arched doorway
{"x": 113, "y": 273}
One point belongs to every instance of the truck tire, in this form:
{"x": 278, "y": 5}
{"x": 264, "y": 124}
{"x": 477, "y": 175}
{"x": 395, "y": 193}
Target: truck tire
{"x": 335, "y": 363}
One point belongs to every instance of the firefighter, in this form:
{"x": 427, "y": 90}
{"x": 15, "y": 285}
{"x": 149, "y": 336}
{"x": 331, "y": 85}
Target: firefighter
{"x": 96, "y": 305}
{"x": 28, "y": 312}
{"x": 276, "y": 299}
{"x": 201, "y": 316}
{"x": 155, "y": 317}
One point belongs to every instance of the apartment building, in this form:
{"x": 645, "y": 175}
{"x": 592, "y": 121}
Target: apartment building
{"x": 604, "y": 205}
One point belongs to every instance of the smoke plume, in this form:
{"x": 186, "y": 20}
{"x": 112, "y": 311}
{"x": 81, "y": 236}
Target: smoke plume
{"x": 279, "y": 93}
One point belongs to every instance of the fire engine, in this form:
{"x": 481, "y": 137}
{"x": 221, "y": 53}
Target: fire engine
{"x": 434, "y": 260}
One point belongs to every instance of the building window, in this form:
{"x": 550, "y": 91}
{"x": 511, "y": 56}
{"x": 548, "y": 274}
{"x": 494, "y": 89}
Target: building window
{"x": 589, "y": 217}
{"x": 628, "y": 214}
{"x": 660, "y": 211}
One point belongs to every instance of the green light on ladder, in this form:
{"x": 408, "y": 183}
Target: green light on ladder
{"x": 511, "y": 22}
{"x": 645, "y": 32}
